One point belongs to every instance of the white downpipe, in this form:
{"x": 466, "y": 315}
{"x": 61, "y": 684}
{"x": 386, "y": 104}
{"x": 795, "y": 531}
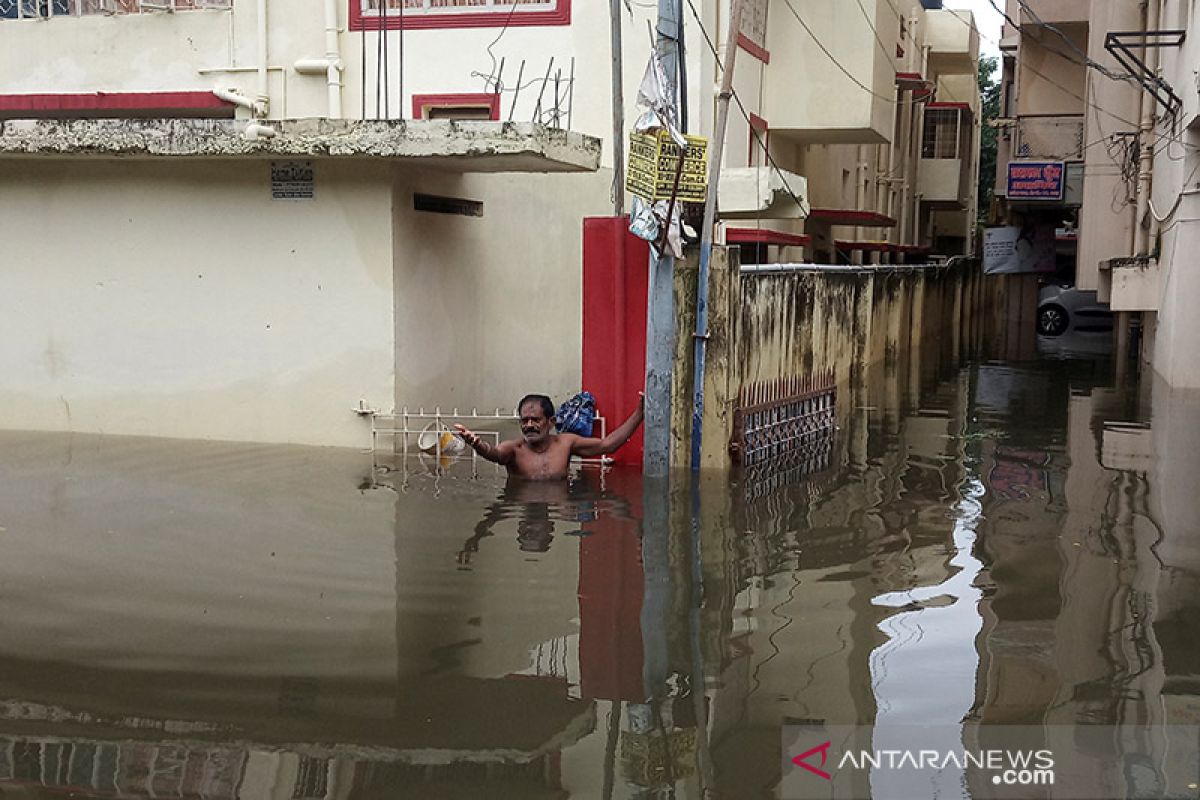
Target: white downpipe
{"x": 1141, "y": 231}
{"x": 333, "y": 73}
{"x": 330, "y": 65}
{"x": 237, "y": 98}
{"x": 264, "y": 88}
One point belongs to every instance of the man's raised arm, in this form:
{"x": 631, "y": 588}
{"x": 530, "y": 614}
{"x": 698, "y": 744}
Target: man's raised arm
{"x": 589, "y": 446}
{"x": 500, "y": 454}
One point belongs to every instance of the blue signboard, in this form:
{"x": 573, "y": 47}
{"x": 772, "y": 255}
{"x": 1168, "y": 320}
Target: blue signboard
{"x": 1036, "y": 180}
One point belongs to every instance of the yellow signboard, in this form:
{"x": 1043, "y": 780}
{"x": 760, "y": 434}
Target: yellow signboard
{"x": 654, "y": 162}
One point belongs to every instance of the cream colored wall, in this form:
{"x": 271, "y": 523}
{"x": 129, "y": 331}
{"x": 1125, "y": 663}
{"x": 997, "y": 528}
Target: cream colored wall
{"x": 826, "y": 105}
{"x": 1051, "y": 80}
{"x": 157, "y": 51}
{"x": 1106, "y": 217}
{"x": 181, "y": 300}
{"x": 490, "y": 308}
{"x": 1176, "y": 170}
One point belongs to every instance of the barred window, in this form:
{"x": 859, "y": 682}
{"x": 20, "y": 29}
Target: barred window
{"x": 424, "y": 7}
{"x": 754, "y": 21}
{"x": 43, "y": 9}
{"x": 942, "y": 133}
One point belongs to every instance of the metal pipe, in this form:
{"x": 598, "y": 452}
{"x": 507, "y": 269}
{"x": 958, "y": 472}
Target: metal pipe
{"x": 618, "y": 108}
{"x": 264, "y": 87}
{"x": 333, "y": 58}
{"x": 1141, "y": 231}
{"x": 706, "y": 232}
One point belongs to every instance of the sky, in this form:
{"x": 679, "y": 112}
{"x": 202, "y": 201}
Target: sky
{"x": 987, "y": 19}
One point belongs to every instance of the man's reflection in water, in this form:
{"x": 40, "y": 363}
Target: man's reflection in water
{"x": 536, "y": 506}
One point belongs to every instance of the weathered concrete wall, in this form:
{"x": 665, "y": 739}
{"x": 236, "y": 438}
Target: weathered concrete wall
{"x": 808, "y": 322}
{"x": 181, "y": 300}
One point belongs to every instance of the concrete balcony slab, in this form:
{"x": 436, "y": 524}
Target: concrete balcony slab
{"x": 460, "y": 146}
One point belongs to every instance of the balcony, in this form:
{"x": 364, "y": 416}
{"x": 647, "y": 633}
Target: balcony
{"x": 953, "y": 42}
{"x": 944, "y": 178}
{"x": 809, "y": 98}
{"x": 1057, "y": 11}
{"x": 1055, "y": 138}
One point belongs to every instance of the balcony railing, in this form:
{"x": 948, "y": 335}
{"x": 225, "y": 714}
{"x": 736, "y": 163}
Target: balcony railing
{"x": 1058, "y": 137}
{"x": 44, "y": 9}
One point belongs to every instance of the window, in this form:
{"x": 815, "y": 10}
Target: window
{"x": 456, "y": 106}
{"x": 43, "y": 9}
{"x": 760, "y": 132}
{"x": 942, "y": 133}
{"x": 754, "y": 21}
{"x": 392, "y": 14}
{"x": 752, "y": 36}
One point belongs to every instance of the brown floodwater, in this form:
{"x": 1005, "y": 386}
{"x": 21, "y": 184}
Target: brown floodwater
{"x": 999, "y": 544}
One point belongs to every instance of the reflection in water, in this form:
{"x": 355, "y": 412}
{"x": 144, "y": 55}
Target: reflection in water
{"x": 1001, "y": 545}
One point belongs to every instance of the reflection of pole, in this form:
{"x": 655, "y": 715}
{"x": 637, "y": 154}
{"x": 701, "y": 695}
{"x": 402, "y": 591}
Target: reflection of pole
{"x": 618, "y": 112}
{"x": 660, "y": 306}
{"x": 610, "y": 746}
{"x": 699, "y": 696}
{"x": 706, "y": 231}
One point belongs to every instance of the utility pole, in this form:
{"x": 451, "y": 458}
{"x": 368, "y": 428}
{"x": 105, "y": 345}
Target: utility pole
{"x": 716, "y": 153}
{"x": 618, "y": 111}
{"x": 660, "y": 306}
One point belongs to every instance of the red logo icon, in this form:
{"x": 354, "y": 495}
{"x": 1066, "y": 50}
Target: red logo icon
{"x": 802, "y": 760}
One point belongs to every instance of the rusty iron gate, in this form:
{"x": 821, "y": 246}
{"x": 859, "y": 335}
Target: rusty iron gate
{"x": 791, "y": 419}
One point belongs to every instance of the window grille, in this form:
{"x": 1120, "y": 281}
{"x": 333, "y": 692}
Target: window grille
{"x": 44, "y": 9}
{"x": 754, "y": 21}
{"x": 941, "y": 137}
{"x": 418, "y": 7}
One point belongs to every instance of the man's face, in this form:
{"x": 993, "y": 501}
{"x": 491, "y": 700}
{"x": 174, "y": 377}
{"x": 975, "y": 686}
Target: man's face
{"x": 535, "y": 425}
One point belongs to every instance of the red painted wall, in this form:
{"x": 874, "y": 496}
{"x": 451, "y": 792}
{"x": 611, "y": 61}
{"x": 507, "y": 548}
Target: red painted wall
{"x": 615, "y": 275}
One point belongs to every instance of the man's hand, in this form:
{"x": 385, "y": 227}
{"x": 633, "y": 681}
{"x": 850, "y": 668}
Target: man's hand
{"x": 467, "y": 435}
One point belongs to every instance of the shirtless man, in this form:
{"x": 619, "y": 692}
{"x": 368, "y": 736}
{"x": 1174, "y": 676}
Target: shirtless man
{"x": 541, "y": 454}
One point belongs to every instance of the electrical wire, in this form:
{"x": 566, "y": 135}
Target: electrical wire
{"x": 746, "y": 114}
{"x": 1071, "y": 93}
{"x": 821, "y": 46}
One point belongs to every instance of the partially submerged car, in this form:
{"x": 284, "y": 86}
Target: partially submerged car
{"x": 1071, "y": 319}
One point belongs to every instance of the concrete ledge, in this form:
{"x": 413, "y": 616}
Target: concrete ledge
{"x": 463, "y": 146}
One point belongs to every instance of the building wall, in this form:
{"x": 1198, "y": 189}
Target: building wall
{"x": 488, "y": 308}
{"x": 1176, "y": 179}
{"x": 1106, "y": 218}
{"x": 181, "y": 300}
{"x": 1051, "y": 79}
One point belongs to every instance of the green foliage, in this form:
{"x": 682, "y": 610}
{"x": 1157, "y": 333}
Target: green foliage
{"x": 989, "y": 90}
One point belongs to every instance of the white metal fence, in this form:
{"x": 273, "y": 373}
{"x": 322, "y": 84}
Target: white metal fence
{"x": 45, "y": 9}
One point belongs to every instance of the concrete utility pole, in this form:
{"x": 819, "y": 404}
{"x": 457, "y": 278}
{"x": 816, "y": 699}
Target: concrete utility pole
{"x": 618, "y": 111}
{"x": 660, "y": 305}
{"x": 716, "y": 154}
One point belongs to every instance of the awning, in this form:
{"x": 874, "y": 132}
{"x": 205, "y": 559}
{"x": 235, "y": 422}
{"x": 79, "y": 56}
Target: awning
{"x": 849, "y": 216}
{"x": 765, "y": 236}
{"x": 866, "y": 247}
{"x": 911, "y": 80}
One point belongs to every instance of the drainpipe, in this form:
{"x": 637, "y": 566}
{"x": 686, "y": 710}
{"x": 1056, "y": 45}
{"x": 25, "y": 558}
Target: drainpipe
{"x": 906, "y": 117}
{"x": 860, "y": 184}
{"x": 331, "y": 65}
{"x": 1141, "y": 232}
{"x": 263, "y": 100}
{"x": 717, "y": 148}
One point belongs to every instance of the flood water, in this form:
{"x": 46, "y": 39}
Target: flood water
{"x": 1009, "y": 544}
